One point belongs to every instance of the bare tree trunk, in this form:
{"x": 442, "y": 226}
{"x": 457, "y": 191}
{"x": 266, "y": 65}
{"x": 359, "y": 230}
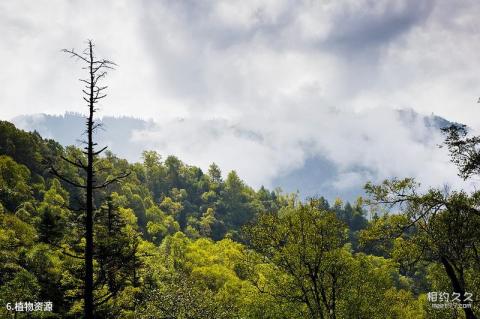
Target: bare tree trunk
{"x": 88, "y": 293}
{"x": 93, "y": 94}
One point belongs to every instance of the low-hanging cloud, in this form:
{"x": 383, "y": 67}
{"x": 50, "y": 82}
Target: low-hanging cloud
{"x": 371, "y": 145}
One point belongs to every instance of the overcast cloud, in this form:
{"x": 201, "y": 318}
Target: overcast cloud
{"x": 261, "y": 86}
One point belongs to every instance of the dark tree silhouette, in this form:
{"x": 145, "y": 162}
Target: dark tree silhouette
{"x": 93, "y": 93}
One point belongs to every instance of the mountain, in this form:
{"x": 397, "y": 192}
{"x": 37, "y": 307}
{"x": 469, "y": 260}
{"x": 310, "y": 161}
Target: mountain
{"x": 318, "y": 176}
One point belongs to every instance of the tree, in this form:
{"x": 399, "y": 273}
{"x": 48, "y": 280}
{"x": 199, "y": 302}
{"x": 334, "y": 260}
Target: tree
{"x": 464, "y": 150}
{"x": 215, "y": 173}
{"x": 154, "y": 173}
{"x": 116, "y": 251}
{"x": 14, "y": 183}
{"x": 304, "y": 243}
{"x": 94, "y": 93}
{"x": 235, "y": 207}
{"x": 53, "y": 214}
{"x": 439, "y": 227}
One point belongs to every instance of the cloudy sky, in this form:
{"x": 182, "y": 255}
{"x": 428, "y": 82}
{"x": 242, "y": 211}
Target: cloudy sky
{"x": 260, "y": 86}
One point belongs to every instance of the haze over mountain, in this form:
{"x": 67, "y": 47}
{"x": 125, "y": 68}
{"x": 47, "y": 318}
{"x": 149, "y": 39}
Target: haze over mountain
{"x": 310, "y": 170}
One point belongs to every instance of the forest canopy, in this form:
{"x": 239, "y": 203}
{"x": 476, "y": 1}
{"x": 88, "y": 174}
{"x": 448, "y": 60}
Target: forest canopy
{"x": 172, "y": 241}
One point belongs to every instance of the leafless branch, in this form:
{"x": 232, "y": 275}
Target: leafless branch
{"x": 111, "y": 181}
{"x": 75, "y": 54}
{"x": 78, "y": 163}
{"x": 100, "y": 151}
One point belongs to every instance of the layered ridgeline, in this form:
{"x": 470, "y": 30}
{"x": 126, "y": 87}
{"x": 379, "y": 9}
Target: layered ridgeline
{"x": 172, "y": 241}
{"x": 318, "y": 172}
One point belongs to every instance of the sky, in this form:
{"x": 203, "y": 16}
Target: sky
{"x": 260, "y": 86}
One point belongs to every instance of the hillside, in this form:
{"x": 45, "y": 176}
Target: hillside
{"x": 171, "y": 241}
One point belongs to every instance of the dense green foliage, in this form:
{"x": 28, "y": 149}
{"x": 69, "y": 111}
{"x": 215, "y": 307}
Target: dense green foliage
{"x": 174, "y": 242}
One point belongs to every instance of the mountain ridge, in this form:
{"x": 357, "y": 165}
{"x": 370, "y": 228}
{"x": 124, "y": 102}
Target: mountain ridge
{"x": 317, "y": 176}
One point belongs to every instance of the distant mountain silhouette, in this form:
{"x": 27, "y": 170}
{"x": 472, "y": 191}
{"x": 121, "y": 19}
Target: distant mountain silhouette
{"x": 115, "y": 131}
{"x": 433, "y": 121}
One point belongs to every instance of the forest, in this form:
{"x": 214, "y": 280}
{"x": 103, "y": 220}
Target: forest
{"x": 171, "y": 241}
{"x": 85, "y": 234}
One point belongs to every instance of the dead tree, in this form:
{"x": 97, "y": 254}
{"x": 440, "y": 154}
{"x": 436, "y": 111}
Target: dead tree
{"x": 93, "y": 93}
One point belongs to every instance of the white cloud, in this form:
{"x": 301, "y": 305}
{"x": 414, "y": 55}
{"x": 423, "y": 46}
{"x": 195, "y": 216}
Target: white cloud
{"x": 306, "y": 78}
